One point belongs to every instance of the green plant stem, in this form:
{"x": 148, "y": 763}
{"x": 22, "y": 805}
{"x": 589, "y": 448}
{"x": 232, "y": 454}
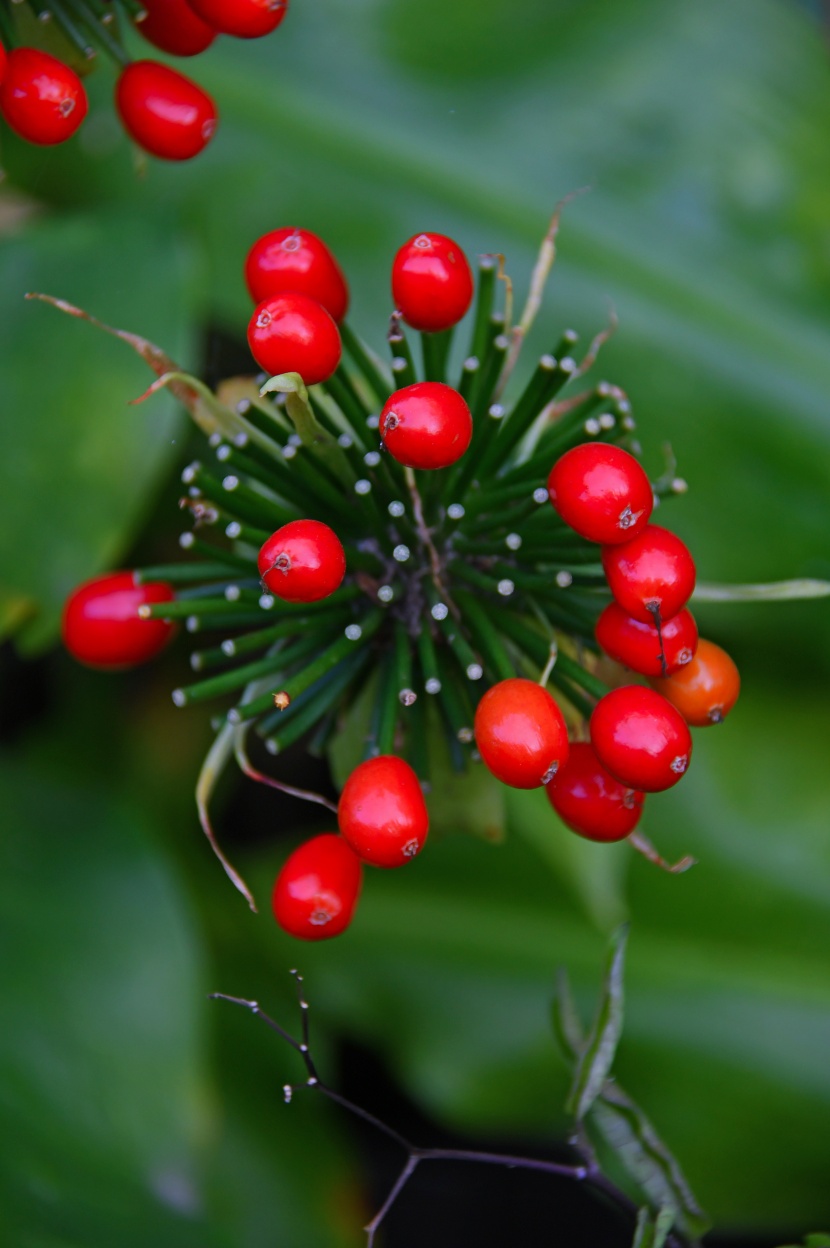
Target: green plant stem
{"x": 485, "y": 292}
{"x": 181, "y": 573}
{"x": 362, "y": 358}
{"x": 435, "y": 349}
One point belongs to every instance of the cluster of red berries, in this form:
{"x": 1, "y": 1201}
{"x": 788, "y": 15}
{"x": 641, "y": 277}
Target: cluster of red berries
{"x": 166, "y": 113}
{"x": 440, "y": 568}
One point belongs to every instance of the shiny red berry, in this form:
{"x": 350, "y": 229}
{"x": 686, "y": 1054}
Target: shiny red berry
{"x": 294, "y": 334}
{"x": 382, "y": 812}
{"x": 590, "y": 801}
{"x": 316, "y": 891}
{"x": 292, "y": 261}
{"x": 520, "y": 733}
{"x": 652, "y": 574}
{"x": 704, "y": 691}
{"x": 42, "y": 99}
{"x": 167, "y": 114}
{"x": 426, "y": 425}
{"x": 173, "y": 26}
{"x": 637, "y": 644}
{"x": 3, "y": 61}
{"x": 246, "y": 19}
{"x": 432, "y": 285}
{"x": 640, "y": 738}
{"x": 601, "y": 491}
{"x": 303, "y": 561}
{"x": 101, "y": 626}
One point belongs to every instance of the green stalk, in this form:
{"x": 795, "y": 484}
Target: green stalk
{"x": 181, "y": 573}
{"x": 416, "y": 739}
{"x": 485, "y": 422}
{"x": 217, "y": 623}
{"x": 548, "y": 378}
{"x": 70, "y": 30}
{"x": 245, "y": 533}
{"x": 340, "y": 388}
{"x": 404, "y": 372}
{"x": 403, "y": 663}
{"x": 484, "y": 306}
{"x": 388, "y": 702}
{"x": 428, "y": 658}
{"x": 469, "y": 378}
{"x": 230, "y": 558}
{"x": 496, "y": 659}
{"x": 102, "y": 36}
{"x": 181, "y": 609}
{"x": 435, "y": 349}
{"x": 232, "y": 648}
{"x": 371, "y": 372}
{"x": 242, "y": 502}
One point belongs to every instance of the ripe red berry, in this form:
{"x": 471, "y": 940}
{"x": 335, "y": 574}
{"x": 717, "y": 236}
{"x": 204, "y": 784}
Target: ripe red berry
{"x": 520, "y": 733}
{"x": 653, "y": 573}
{"x": 294, "y": 334}
{"x": 426, "y": 425}
{"x": 246, "y": 19}
{"x": 316, "y": 891}
{"x": 636, "y": 643}
{"x": 640, "y": 738}
{"x": 42, "y": 99}
{"x": 3, "y": 61}
{"x": 303, "y": 561}
{"x": 590, "y": 801}
{"x": 101, "y": 625}
{"x": 432, "y": 284}
{"x": 382, "y": 812}
{"x": 167, "y": 114}
{"x": 296, "y": 262}
{"x": 173, "y": 26}
{"x": 602, "y": 492}
{"x": 704, "y": 691}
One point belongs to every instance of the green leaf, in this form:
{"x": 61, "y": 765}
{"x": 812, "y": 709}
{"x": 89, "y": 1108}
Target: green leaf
{"x": 633, "y": 1139}
{"x": 597, "y": 1054}
{"x": 652, "y": 1229}
{"x": 567, "y": 1025}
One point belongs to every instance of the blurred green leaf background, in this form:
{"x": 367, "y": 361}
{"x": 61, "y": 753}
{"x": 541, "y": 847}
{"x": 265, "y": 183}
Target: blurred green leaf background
{"x": 132, "y": 1110}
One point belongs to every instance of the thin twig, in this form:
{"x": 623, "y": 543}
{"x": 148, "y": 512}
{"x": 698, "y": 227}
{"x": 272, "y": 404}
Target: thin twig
{"x": 586, "y": 1171}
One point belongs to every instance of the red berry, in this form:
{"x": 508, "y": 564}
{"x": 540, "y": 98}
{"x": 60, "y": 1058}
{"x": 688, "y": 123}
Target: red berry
{"x": 640, "y": 738}
{"x": 294, "y": 334}
{"x": 173, "y": 26}
{"x": 653, "y": 573}
{"x": 431, "y": 282}
{"x": 590, "y": 801}
{"x": 3, "y": 61}
{"x": 316, "y": 891}
{"x": 382, "y": 812}
{"x": 704, "y": 691}
{"x": 42, "y": 99}
{"x": 247, "y": 19}
{"x": 303, "y": 561}
{"x": 520, "y": 733}
{"x": 101, "y": 625}
{"x": 167, "y": 114}
{"x": 636, "y": 643}
{"x": 601, "y": 491}
{"x": 291, "y": 261}
{"x": 426, "y": 425}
